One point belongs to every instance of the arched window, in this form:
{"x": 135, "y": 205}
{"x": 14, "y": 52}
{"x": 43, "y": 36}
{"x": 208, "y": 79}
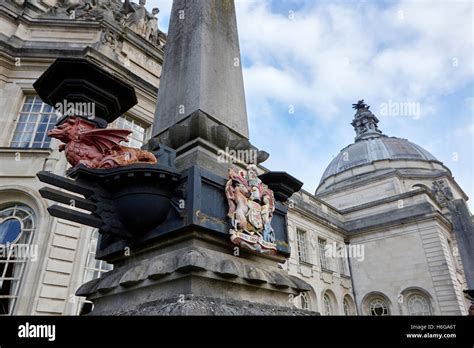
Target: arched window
{"x": 418, "y": 305}
{"x": 419, "y": 186}
{"x": 17, "y": 227}
{"x": 327, "y": 305}
{"x": 378, "y": 307}
{"x": 345, "y": 305}
{"x": 348, "y": 306}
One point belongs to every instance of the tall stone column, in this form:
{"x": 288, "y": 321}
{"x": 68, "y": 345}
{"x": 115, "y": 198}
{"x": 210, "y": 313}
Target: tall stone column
{"x": 201, "y": 101}
{"x": 202, "y": 70}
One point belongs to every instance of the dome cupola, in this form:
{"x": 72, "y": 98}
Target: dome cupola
{"x": 372, "y": 146}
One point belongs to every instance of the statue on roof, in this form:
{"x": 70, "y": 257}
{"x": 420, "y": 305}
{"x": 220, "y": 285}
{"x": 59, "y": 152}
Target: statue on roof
{"x": 127, "y": 14}
{"x": 152, "y": 31}
{"x": 135, "y": 16}
{"x": 442, "y": 192}
{"x": 365, "y": 122}
{"x": 360, "y": 105}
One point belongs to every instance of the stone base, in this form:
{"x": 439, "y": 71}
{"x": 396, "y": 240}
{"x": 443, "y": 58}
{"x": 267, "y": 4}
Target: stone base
{"x": 194, "y": 273}
{"x": 191, "y": 305}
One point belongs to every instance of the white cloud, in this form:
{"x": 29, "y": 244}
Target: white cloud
{"x": 337, "y": 52}
{"x": 332, "y": 54}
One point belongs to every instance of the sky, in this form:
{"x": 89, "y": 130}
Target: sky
{"x": 305, "y": 62}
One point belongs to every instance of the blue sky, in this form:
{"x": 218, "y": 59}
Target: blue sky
{"x": 319, "y": 57}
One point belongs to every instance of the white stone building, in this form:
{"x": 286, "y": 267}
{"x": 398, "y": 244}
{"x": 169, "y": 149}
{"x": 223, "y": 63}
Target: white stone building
{"x": 32, "y": 36}
{"x": 383, "y": 199}
{"x": 386, "y": 198}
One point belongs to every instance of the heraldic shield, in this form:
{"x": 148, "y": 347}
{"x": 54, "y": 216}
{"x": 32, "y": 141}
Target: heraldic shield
{"x": 251, "y": 208}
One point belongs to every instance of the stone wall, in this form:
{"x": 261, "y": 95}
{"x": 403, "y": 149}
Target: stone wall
{"x": 27, "y": 47}
{"x": 337, "y": 285}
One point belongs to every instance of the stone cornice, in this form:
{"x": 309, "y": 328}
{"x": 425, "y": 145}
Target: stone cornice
{"x": 391, "y": 199}
{"x": 302, "y": 208}
{"x": 400, "y": 174}
{"x": 365, "y": 178}
{"x": 408, "y": 214}
{"x": 124, "y": 34}
{"x": 141, "y": 84}
{"x": 413, "y": 213}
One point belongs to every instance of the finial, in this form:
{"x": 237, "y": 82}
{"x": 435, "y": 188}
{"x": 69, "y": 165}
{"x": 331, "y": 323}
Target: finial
{"x": 360, "y": 105}
{"x": 365, "y": 122}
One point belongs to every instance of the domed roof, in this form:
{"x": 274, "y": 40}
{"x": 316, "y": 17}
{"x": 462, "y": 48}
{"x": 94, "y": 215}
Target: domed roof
{"x": 371, "y": 145}
{"x": 376, "y": 149}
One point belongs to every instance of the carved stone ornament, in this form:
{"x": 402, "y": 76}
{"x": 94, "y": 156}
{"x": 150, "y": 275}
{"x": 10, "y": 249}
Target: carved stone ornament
{"x": 442, "y": 192}
{"x": 109, "y": 38}
{"x": 127, "y": 14}
{"x": 97, "y": 148}
{"x": 251, "y": 208}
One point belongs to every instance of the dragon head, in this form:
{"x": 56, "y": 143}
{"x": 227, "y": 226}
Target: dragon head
{"x": 68, "y": 130}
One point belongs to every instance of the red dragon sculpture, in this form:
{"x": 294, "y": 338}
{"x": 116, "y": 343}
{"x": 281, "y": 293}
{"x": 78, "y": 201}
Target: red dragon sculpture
{"x": 97, "y": 148}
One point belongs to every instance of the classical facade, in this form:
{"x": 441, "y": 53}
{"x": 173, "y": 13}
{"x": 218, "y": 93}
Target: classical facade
{"x": 387, "y": 200}
{"x": 376, "y": 238}
{"x": 123, "y": 39}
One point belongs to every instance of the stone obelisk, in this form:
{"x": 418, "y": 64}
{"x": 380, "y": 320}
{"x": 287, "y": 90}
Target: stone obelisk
{"x": 201, "y": 100}
{"x": 188, "y": 265}
{"x": 202, "y": 70}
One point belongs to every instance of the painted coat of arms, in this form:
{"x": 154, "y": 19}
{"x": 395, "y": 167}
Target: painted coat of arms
{"x": 251, "y": 207}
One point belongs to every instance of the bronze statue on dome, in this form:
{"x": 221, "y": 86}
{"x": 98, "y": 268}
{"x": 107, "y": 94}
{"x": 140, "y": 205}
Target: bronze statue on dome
{"x": 360, "y": 105}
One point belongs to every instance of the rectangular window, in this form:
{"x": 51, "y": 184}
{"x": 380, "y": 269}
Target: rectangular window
{"x": 322, "y": 254}
{"x": 35, "y": 120}
{"x": 303, "y": 255}
{"x": 138, "y": 136}
{"x": 343, "y": 268}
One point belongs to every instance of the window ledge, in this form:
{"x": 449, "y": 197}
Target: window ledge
{"x": 25, "y": 150}
{"x": 305, "y": 263}
{"x": 327, "y": 270}
{"x": 346, "y": 276}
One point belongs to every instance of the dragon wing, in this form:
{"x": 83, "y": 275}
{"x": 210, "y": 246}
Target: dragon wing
{"x": 105, "y": 139}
